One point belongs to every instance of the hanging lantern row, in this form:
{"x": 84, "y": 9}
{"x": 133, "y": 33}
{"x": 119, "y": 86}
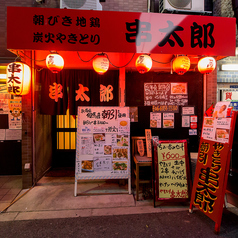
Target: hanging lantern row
{"x": 18, "y": 78}
{"x": 180, "y": 64}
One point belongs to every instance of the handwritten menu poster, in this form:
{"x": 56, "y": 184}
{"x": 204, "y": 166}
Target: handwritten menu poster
{"x": 103, "y": 143}
{"x": 166, "y": 95}
{"x": 172, "y": 174}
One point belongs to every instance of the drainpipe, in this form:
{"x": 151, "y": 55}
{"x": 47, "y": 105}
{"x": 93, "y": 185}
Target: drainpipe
{"x": 204, "y": 92}
{"x": 148, "y": 5}
{"x": 235, "y": 9}
{"x": 33, "y": 118}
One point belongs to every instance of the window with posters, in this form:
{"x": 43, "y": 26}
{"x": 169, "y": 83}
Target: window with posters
{"x": 103, "y": 144}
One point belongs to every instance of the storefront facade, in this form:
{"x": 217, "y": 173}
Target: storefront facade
{"x": 37, "y": 139}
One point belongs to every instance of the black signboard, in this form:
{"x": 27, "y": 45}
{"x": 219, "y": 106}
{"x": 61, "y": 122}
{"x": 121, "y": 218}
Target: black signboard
{"x": 165, "y": 94}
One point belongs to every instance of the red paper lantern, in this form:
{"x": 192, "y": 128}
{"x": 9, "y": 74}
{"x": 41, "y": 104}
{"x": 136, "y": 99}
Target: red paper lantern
{"x": 54, "y": 62}
{"x": 143, "y": 63}
{"x": 206, "y": 65}
{"x": 181, "y": 65}
{"x": 18, "y": 78}
{"x": 101, "y": 64}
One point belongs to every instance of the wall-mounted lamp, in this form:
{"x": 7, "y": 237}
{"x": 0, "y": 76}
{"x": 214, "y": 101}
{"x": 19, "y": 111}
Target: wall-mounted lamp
{"x": 230, "y": 67}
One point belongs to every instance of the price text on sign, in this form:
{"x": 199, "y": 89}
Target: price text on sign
{"x": 172, "y": 174}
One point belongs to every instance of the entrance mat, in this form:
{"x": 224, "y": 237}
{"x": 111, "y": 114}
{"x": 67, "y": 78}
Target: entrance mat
{"x": 61, "y": 172}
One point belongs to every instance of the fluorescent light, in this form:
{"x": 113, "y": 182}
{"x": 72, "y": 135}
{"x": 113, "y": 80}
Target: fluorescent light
{"x": 3, "y": 76}
{"x": 229, "y": 67}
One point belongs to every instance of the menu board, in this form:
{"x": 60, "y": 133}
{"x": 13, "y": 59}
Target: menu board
{"x": 166, "y": 95}
{"x": 103, "y": 143}
{"x": 171, "y": 171}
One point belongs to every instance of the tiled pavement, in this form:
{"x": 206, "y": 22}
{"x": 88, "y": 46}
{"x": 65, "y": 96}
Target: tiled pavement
{"x": 10, "y": 187}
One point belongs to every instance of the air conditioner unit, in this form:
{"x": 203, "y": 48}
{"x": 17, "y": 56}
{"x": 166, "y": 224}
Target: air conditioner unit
{"x": 81, "y": 4}
{"x": 181, "y": 6}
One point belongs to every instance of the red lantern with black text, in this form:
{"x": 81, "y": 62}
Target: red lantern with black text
{"x": 54, "y": 62}
{"x": 206, "y": 65}
{"x": 143, "y": 63}
{"x": 18, "y": 78}
{"x": 181, "y": 65}
{"x": 101, "y": 64}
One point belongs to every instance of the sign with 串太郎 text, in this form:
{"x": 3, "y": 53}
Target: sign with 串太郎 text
{"x": 207, "y": 194}
{"x": 212, "y": 167}
{"x": 111, "y": 31}
{"x": 171, "y": 167}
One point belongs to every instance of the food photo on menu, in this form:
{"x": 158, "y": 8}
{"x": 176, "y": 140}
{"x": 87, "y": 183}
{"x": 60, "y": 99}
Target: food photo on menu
{"x": 98, "y": 137}
{"x": 119, "y": 153}
{"x": 222, "y": 134}
{"x": 208, "y": 121}
{"x": 153, "y": 123}
{"x": 178, "y": 88}
{"x": 119, "y": 165}
{"x": 87, "y": 166}
{"x": 122, "y": 140}
{"x": 168, "y": 123}
{"x": 107, "y": 149}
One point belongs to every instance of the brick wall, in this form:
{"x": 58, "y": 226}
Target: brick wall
{"x": 125, "y": 5}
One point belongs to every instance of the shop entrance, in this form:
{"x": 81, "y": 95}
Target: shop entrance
{"x": 64, "y": 140}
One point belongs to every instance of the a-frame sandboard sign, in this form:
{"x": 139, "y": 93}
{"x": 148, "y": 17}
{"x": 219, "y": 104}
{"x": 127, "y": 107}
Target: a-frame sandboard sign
{"x": 171, "y": 171}
{"x": 213, "y": 163}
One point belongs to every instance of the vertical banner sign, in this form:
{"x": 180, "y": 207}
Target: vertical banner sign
{"x": 148, "y": 138}
{"x": 103, "y": 144}
{"x": 171, "y": 169}
{"x": 212, "y": 167}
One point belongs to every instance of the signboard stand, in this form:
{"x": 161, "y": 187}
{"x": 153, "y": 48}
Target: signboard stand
{"x": 211, "y": 175}
{"x": 171, "y": 171}
{"x": 103, "y": 144}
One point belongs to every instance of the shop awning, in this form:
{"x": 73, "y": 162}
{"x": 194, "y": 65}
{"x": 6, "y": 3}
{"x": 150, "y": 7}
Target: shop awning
{"x": 78, "y": 35}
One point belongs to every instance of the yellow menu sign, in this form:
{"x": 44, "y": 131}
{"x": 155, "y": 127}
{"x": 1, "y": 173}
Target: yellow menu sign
{"x": 172, "y": 172}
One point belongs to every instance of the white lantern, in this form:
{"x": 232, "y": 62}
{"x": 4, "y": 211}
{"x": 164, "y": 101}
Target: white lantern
{"x": 18, "y": 78}
{"x": 54, "y": 62}
{"x": 143, "y": 63}
{"x": 206, "y": 65}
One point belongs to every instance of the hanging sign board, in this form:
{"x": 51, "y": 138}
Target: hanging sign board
{"x": 171, "y": 171}
{"x": 212, "y": 166}
{"x": 103, "y": 144}
{"x": 116, "y": 31}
